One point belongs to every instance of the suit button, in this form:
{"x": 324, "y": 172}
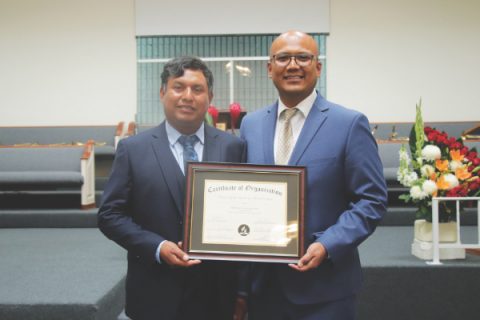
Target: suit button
{"x": 181, "y": 222}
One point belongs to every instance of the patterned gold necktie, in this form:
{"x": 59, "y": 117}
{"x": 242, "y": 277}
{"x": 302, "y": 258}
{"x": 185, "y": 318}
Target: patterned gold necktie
{"x": 285, "y": 139}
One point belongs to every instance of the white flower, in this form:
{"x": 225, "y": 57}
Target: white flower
{"x": 404, "y": 155}
{"x": 431, "y": 152}
{"x": 454, "y": 165}
{"x": 451, "y": 180}
{"x": 429, "y": 186}
{"x": 406, "y": 177}
{"x": 404, "y": 174}
{"x": 427, "y": 170}
{"x": 411, "y": 178}
{"x": 417, "y": 193}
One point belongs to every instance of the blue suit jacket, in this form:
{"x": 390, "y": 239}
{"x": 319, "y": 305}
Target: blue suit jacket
{"x": 143, "y": 204}
{"x": 346, "y": 195}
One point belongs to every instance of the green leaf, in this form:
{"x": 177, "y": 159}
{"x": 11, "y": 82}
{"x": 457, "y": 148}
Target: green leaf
{"x": 412, "y": 141}
{"x": 424, "y": 212}
{"x": 419, "y": 131}
{"x": 209, "y": 119}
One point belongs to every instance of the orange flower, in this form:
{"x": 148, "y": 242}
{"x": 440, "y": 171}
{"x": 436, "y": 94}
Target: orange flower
{"x": 441, "y": 165}
{"x": 442, "y": 184}
{"x": 462, "y": 173}
{"x": 456, "y": 156}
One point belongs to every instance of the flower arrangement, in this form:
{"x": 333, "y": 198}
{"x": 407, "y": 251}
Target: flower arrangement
{"x": 235, "y": 111}
{"x": 440, "y": 166}
{"x": 213, "y": 112}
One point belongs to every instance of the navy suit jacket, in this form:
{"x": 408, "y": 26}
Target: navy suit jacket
{"x": 346, "y": 196}
{"x": 143, "y": 204}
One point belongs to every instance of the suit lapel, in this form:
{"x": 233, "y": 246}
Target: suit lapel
{"x": 315, "y": 119}
{"x": 270, "y": 121}
{"x": 211, "y": 148}
{"x": 173, "y": 175}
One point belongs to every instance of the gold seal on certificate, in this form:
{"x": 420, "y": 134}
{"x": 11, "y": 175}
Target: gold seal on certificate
{"x": 244, "y": 212}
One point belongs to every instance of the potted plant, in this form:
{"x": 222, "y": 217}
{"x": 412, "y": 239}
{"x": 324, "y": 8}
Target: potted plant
{"x": 437, "y": 166}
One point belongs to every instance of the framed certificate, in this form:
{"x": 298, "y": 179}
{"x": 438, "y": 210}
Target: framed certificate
{"x": 244, "y": 212}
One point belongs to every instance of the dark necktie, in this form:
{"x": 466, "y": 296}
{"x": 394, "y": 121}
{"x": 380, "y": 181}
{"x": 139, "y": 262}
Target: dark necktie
{"x": 188, "y": 144}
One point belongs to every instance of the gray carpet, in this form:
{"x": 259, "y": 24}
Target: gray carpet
{"x": 389, "y": 247}
{"x": 48, "y": 218}
{"x": 398, "y": 286}
{"x": 60, "y": 274}
{"x": 79, "y": 274}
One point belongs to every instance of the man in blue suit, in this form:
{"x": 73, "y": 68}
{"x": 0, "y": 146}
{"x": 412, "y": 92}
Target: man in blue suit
{"x": 143, "y": 204}
{"x": 346, "y": 192}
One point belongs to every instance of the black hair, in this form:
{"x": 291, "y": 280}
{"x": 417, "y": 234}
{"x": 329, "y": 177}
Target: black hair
{"x": 176, "y": 68}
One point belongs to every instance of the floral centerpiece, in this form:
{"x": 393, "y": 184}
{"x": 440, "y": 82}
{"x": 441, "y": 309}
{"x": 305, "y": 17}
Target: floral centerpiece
{"x": 212, "y": 115}
{"x": 235, "y": 111}
{"x": 438, "y": 166}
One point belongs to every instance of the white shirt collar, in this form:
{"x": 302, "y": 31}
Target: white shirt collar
{"x": 173, "y": 133}
{"x": 304, "y": 106}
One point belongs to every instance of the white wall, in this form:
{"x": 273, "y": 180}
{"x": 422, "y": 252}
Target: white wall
{"x": 383, "y": 55}
{"x": 67, "y": 62}
{"x": 156, "y": 17}
{"x": 72, "y": 62}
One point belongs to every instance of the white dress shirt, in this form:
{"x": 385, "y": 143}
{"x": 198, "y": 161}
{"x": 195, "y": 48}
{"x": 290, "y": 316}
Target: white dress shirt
{"x": 177, "y": 150}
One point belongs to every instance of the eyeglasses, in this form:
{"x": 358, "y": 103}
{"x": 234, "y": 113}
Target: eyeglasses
{"x": 301, "y": 59}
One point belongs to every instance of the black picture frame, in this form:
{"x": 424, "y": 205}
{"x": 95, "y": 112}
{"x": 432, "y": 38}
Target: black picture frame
{"x": 244, "y": 212}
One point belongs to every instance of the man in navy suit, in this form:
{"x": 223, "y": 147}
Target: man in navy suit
{"x": 346, "y": 192}
{"x": 143, "y": 204}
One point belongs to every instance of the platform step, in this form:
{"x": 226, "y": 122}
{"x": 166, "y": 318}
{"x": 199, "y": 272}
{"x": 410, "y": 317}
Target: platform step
{"x": 49, "y": 218}
{"x": 45, "y": 199}
{"x": 406, "y": 216}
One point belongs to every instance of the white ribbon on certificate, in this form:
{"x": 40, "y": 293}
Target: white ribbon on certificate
{"x": 245, "y": 213}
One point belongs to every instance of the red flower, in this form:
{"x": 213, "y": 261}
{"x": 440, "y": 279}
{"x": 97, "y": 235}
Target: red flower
{"x": 438, "y": 137}
{"x": 428, "y": 130}
{"x": 458, "y": 191}
{"x": 442, "y": 139}
{"x": 235, "y": 111}
{"x": 454, "y": 143}
{"x": 214, "y": 113}
{"x": 453, "y": 192}
{"x": 432, "y": 135}
{"x": 471, "y": 155}
{"x": 475, "y": 185}
{"x": 476, "y": 162}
